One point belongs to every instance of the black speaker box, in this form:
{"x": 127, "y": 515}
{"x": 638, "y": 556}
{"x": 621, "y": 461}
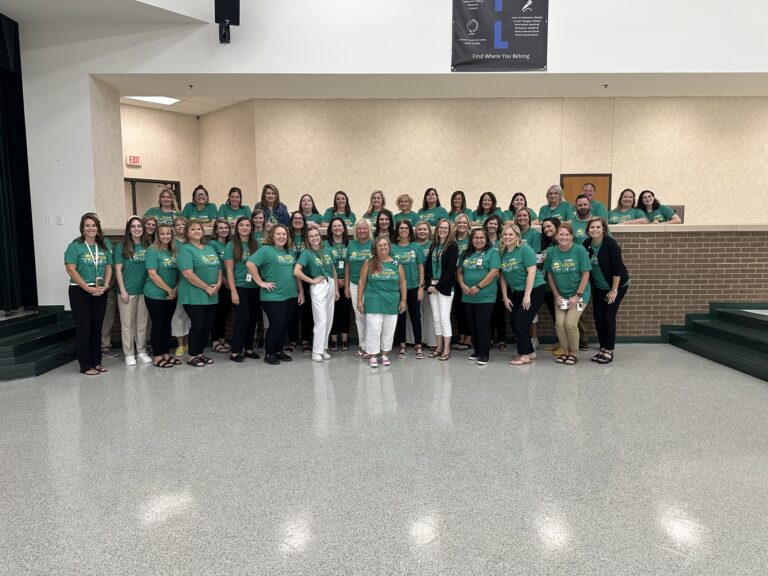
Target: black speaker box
{"x": 228, "y": 10}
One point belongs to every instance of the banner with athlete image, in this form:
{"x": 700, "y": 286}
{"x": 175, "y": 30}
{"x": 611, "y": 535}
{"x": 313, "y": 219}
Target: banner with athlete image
{"x": 499, "y": 35}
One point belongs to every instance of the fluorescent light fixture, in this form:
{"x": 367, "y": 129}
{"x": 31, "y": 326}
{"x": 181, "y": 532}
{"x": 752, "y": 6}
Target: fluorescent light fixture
{"x": 155, "y": 99}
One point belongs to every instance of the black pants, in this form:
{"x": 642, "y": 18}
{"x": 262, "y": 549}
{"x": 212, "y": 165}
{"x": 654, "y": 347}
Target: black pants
{"x": 201, "y": 317}
{"x": 160, "y": 313}
{"x": 549, "y": 301}
{"x": 218, "y": 331}
{"x": 459, "y": 312}
{"x": 479, "y": 316}
{"x": 341, "y": 314}
{"x": 521, "y": 319}
{"x": 245, "y": 319}
{"x": 88, "y": 314}
{"x": 303, "y": 316}
{"x": 280, "y": 315}
{"x": 498, "y": 318}
{"x": 414, "y": 311}
{"x": 605, "y": 316}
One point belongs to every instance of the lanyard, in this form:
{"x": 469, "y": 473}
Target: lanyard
{"x": 95, "y": 258}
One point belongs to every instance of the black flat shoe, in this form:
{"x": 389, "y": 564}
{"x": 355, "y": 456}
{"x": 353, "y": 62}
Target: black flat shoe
{"x": 237, "y": 357}
{"x": 272, "y": 359}
{"x": 252, "y": 355}
{"x": 282, "y": 356}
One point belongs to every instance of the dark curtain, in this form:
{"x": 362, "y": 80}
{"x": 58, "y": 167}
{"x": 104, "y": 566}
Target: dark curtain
{"x": 18, "y": 284}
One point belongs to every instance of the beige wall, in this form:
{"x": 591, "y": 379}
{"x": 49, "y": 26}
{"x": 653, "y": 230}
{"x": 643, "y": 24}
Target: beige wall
{"x": 105, "y": 132}
{"x": 693, "y": 151}
{"x": 168, "y": 143}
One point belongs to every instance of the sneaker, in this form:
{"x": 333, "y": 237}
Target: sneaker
{"x": 144, "y": 357}
{"x": 385, "y": 361}
{"x": 130, "y": 360}
{"x": 181, "y": 351}
{"x": 271, "y": 359}
{"x": 474, "y": 358}
{"x": 482, "y": 361}
{"x": 535, "y": 343}
{"x": 317, "y": 357}
{"x": 283, "y": 357}
{"x": 109, "y": 353}
{"x": 373, "y": 362}
{"x": 326, "y": 356}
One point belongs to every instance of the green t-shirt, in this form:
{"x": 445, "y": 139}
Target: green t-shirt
{"x": 661, "y": 214}
{"x": 412, "y": 217}
{"x": 433, "y": 215}
{"x": 425, "y": 248}
{"x": 372, "y": 218}
{"x": 463, "y": 244}
{"x": 219, "y": 248}
{"x": 597, "y": 273}
{"x": 239, "y": 269}
{"x": 134, "y": 270}
{"x": 566, "y": 268}
{"x": 357, "y": 253}
{"x": 410, "y": 257}
{"x": 231, "y": 216}
{"x": 329, "y": 215}
{"x": 476, "y": 266}
{"x": 162, "y": 217}
{"x": 339, "y": 255}
{"x": 515, "y": 264}
{"x": 579, "y": 230}
{"x": 533, "y": 238}
{"x": 165, "y": 264}
{"x": 453, "y": 215}
{"x": 597, "y": 208}
{"x": 316, "y": 218}
{"x": 481, "y": 218}
{"x": 509, "y": 216}
{"x": 205, "y": 263}
{"x": 206, "y": 215}
{"x": 619, "y": 217}
{"x": 258, "y": 235}
{"x": 382, "y": 290}
{"x": 316, "y": 264}
{"x": 564, "y": 212}
{"x": 276, "y": 265}
{"x": 91, "y": 261}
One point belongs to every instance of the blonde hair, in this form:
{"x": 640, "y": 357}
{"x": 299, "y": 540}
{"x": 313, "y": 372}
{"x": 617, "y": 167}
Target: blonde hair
{"x": 404, "y": 197}
{"x": 362, "y": 222}
{"x": 449, "y": 238}
{"x": 159, "y": 245}
{"x": 456, "y": 221}
{"x": 370, "y": 202}
{"x": 169, "y": 190}
{"x": 519, "y": 242}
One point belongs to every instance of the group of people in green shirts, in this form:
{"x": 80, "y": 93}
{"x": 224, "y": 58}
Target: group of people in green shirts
{"x": 430, "y": 266}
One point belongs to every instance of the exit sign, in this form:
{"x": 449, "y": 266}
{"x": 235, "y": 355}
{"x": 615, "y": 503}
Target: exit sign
{"x": 133, "y": 160}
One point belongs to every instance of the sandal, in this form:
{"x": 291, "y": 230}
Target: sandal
{"x": 307, "y": 347}
{"x": 334, "y": 347}
{"x": 419, "y": 353}
{"x": 101, "y": 368}
{"x": 435, "y": 354}
{"x": 503, "y": 347}
{"x": 205, "y": 359}
{"x": 570, "y": 360}
{"x": 561, "y": 359}
{"x": 162, "y": 363}
{"x": 444, "y": 357}
{"x": 401, "y": 353}
{"x": 221, "y": 347}
{"x": 605, "y": 358}
{"x": 90, "y": 372}
{"x": 174, "y": 361}
{"x": 290, "y": 348}
{"x": 360, "y": 353}
{"x": 196, "y": 362}
{"x": 344, "y": 345}
{"x": 596, "y": 357}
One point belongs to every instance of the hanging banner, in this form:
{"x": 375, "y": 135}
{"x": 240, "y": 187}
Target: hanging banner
{"x": 499, "y": 35}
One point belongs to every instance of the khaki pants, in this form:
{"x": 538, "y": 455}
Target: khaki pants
{"x": 133, "y": 324}
{"x": 567, "y": 328}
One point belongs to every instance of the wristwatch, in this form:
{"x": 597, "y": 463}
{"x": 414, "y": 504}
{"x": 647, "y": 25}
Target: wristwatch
{"x": 579, "y": 294}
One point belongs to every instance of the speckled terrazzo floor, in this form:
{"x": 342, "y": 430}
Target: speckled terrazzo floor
{"x": 656, "y": 464}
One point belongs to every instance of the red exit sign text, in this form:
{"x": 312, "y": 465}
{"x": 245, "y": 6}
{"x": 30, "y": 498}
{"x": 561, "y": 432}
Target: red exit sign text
{"x": 133, "y": 160}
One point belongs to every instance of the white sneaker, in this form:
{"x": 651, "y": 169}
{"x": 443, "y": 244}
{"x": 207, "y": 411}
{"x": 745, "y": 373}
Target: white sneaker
{"x": 326, "y": 356}
{"x": 373, "y": 362}
{"x": 385, "y": 361}
{"x": 317, "y": 357}
{"x": 130, "y": 360}
{"x": 144, "y": 357}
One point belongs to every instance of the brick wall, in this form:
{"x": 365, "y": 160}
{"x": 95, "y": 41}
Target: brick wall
{"x": 675, "y": 273}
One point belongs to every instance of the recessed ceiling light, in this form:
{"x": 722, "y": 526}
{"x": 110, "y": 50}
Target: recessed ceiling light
{"x": 155, "y": 99}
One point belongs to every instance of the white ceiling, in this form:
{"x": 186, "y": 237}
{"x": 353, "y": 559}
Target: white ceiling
{"x": 184, "y": 11}
{"x": 214, "y": 91}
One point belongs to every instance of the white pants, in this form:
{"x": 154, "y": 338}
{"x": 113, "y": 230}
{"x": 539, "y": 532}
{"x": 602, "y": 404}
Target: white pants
{"x": 380, "y": 331}
{"x": 133, "y": 324}
{"x": 180, "y": 322}
{"x": 359, "y": 316}
{"x": 441, "y": 313}
{"x": 323, "y": 297}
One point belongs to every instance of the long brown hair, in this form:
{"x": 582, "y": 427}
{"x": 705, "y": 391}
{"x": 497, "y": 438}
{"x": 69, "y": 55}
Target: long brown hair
{"x": 128, "y": 248}
{"x": 99, "y": 233}
{"x": 237, "y": 243}
{"x": 171, "y": 245}
{"x": 374, "y": 265}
